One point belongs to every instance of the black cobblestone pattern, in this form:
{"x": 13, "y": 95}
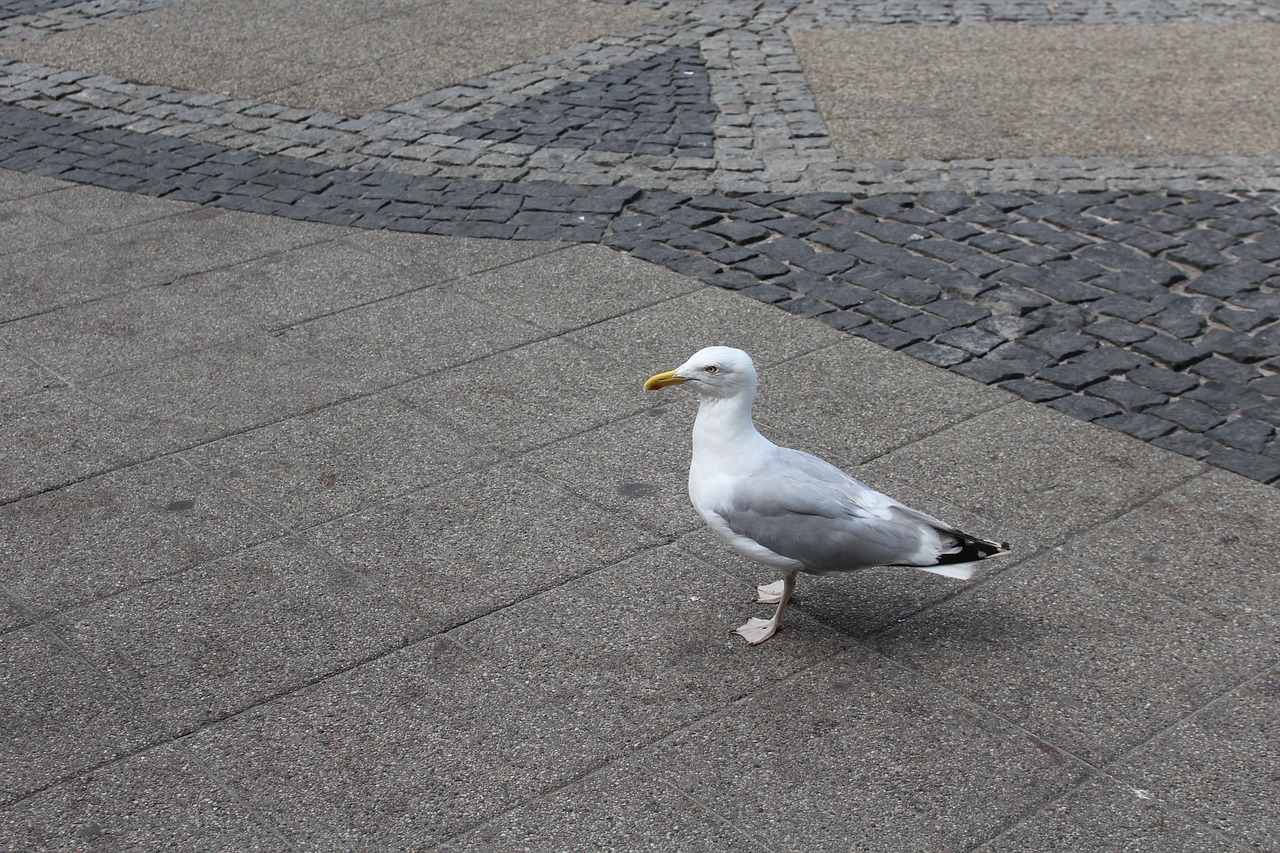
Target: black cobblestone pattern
{"x": 658, "y": 105}
{"x": 18, "y": 8}
{"x": 1156, "y": 314}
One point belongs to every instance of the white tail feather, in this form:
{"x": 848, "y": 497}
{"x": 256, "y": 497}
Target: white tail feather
{"x": 958, "y": 571}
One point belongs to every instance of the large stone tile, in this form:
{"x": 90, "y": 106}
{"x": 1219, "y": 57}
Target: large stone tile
{"x": 576, "y": 286}
{"x": 123, "y": 331}
{"x": 406, "y": 751}
{"x": 641, "y": 649}
{"x": 855, "y": 752}
{"x": 302, "y": 284}
{"x": 1077, "y": 656}
{"x": 1210, "y": 543}
{"x": 856, "y": 401}
{"x": 436, "y": 259}
{"x": 661, "y": 336}
{"x": 1106, "y": 817}
{"x": 154, "y": 252}
{"x": 157, "y": 799}
{"x": 60, "y": 716}
{"x": 205, "y": 395}
{"x": 1219, "y": 766}
{"x": 529, "y": 396}
{"x": 457, "y": 551}
{"x": 619, "y": 807}
{"x": 411, "y": 335}
{"x": 330, "y": 462}
{"x": 211, "y": 641}
{"x": 19, "y": 375}
{"x": 14, "y": 185}
{"x": 73, "y": 211}
{"x": 106, "y": 534}
{"x": 13, "y": 614}
{"x": 55, "y": 437}
{"x": 1031, "y": 469}
{"x": 639, "y": 468}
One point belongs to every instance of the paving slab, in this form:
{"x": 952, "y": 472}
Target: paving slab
{"x": 410, "y": 749}
{"x": 663, "y": 335}
{"x": 150, "y": 253}
{"x": 64, "y": 716}
{"x": 1091, "y": 473}
{"x": 56, "y": 437}
{"x": 336, "y": 460}
{"x": 1108, "y": 815}
{"x": 531, "y": 395}
{"x": 457, "y": 551}
{"x": 854, "y": 401}
{"x": 204, "y": 395}
{"x": 782, "y": 765}
{"x": 156, "y": 798}
{"x": 1211, "y": 766}
{"x": 575, "y": 287}
{"x": 338, "y": 275}
{"x": 110, "y": 533}
{"x": 660, "y": 658}
{"x": 619, "y": 805}
{"x": 1038, "y": 644}
{"x": 18, "y": 185}
{"x": 19, "y": 375}
{"x": 335, "y": 61}
{"x": 211, "y": 641}
{"x": 123, "y": 332}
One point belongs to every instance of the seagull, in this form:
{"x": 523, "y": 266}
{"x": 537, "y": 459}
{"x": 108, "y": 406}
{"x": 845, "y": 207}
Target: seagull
{"x": 790, "y": 510}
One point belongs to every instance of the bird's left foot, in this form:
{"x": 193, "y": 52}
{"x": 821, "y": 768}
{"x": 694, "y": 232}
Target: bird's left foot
{"x": 771, "y": 593}
{"x": 756, "y": 631}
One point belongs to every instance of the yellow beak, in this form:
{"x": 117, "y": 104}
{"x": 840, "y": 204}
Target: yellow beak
{"x": 662, "y": 380}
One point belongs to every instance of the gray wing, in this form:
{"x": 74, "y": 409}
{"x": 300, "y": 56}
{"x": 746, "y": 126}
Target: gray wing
{"x": 799, "y": 506}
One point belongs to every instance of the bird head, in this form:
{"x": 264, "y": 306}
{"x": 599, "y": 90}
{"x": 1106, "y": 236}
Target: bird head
{"x": 717, "y": 372}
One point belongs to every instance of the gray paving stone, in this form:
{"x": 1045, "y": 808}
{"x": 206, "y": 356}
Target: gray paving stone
{"x": 1210, "y": 765}
{"x": 107, "y": 534}
{"x": 791, "y": 798}
{"x": 416, "y": 721}
{"x": 63, "y": 718}
{"x": 156, "y": 798}
{"x": 1094, "y": 472}
{"x": 57, "y": 436}
{"x": 201, "y": 396}
{"x": 336, "y": 460}
{"x": 286, "y": 618}
{"x": 453, "y": 558}
{"x": 578, "y": 286}
{"x": 1067, "y": 693}
{"x": 1104, "y": 814}
{"x": 410, "y": 335}
{"x": 635, "y": 681}
{"x": 123, "y": 332}
{"x": 619, "y": 805}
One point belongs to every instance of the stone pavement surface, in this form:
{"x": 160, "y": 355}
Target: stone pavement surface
{"x": 332, "y": 515}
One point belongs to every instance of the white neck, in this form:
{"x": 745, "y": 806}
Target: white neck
{"x": 723, "y": 430}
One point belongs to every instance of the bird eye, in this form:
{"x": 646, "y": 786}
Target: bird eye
{"x": 711, "y": 368}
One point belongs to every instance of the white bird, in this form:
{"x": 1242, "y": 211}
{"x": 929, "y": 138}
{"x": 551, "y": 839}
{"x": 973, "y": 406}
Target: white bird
{"x": 791, "y": 510}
